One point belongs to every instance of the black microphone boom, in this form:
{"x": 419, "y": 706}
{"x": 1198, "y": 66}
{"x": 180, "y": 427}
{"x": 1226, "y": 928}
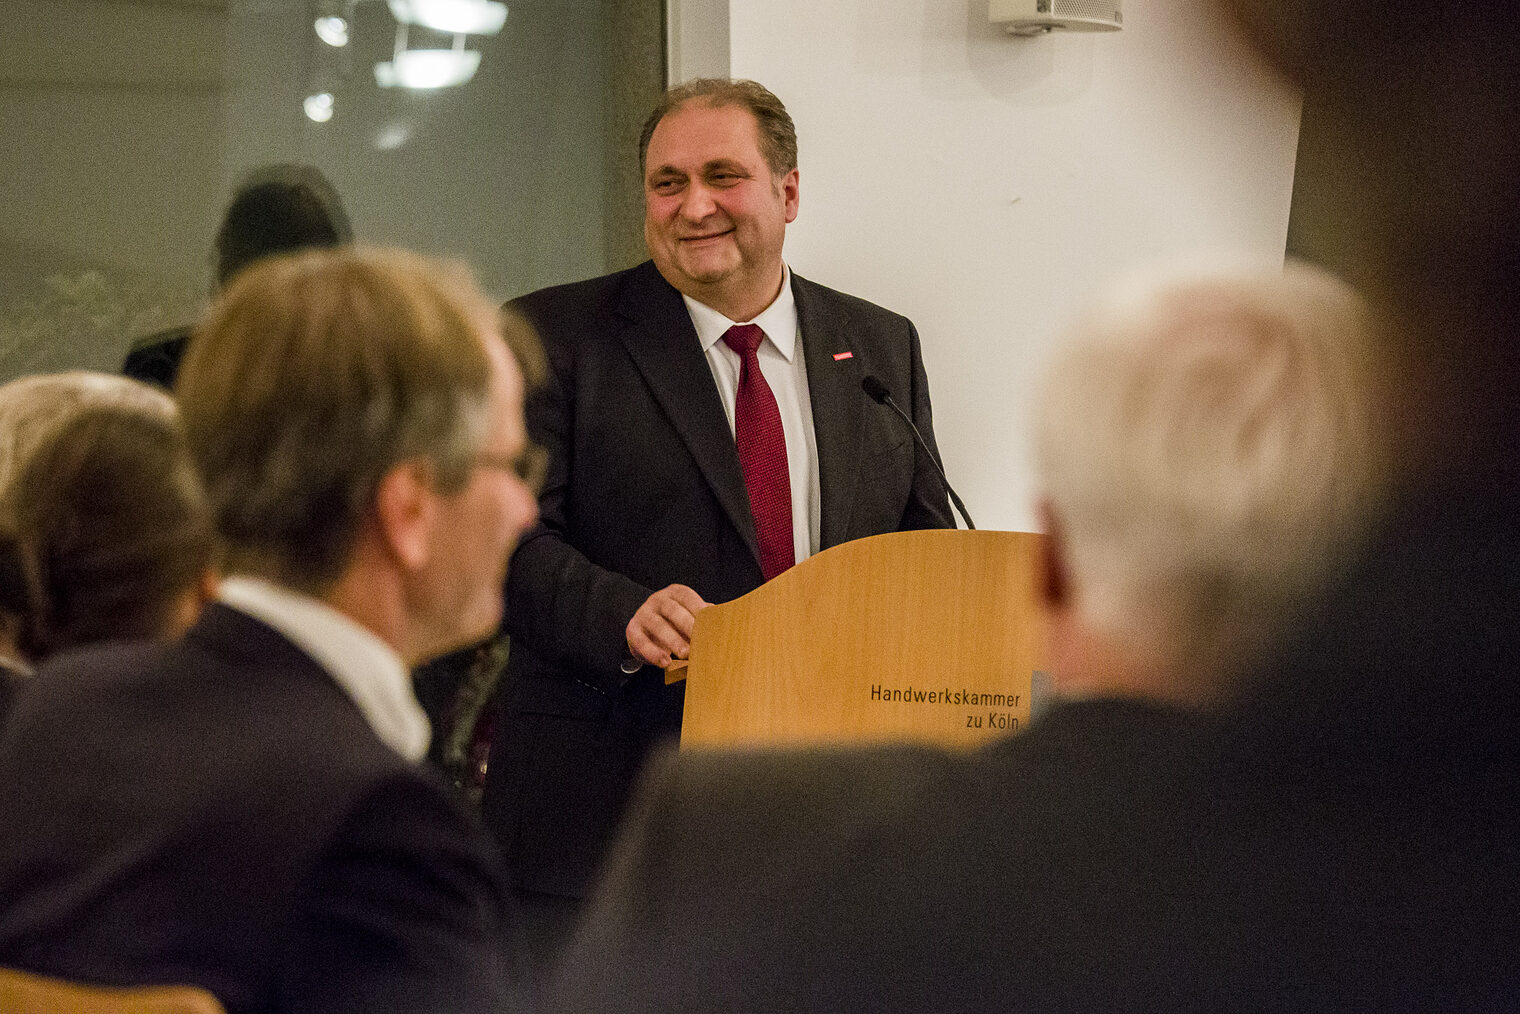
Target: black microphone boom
{"x": 878, "y": 393}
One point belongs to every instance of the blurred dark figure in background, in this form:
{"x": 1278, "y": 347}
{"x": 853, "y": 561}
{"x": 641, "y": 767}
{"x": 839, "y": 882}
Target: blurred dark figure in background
{"x": 1345, "y": 836}
{"x": 279, "y": 208}
{"x": 104, "y": 528}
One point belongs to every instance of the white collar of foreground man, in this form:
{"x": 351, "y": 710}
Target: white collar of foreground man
{"x": 364, "y": 666}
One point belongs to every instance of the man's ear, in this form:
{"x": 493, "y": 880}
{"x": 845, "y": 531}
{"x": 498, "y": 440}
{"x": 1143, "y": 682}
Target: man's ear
{"x": 1055, "y": 575}
{"x": 406, "y": 511}
{"x": 790, "y": 194}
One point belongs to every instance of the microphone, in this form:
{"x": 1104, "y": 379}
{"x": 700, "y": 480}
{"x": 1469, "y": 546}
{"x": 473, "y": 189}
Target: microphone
{"x": 878, "y": 393}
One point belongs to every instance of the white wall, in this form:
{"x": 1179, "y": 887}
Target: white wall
{"x": 987, "y": 185}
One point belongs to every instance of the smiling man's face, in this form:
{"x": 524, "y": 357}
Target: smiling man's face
{"x": 715, "y": 215}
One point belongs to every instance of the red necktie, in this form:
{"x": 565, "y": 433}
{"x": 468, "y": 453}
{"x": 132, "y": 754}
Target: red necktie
{"x": 762, "y": 453}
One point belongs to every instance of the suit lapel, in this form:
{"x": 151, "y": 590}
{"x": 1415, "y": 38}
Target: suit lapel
{"x": 663, "y": 345}
{"x": 834, "y": 391}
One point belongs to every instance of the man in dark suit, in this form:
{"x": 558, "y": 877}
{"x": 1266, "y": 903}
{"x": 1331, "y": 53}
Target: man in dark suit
{"x": 244, "y": 810}
{"x": 653, "y": 506}
{"x": 1344, "y": 836}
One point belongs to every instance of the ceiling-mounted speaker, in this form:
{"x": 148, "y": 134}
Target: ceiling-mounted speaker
{"x": 1036, "y": 17}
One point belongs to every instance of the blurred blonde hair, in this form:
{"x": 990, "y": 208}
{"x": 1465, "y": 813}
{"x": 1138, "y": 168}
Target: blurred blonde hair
{"x": 32, "y": 408}
{"x": 103, "y": 521}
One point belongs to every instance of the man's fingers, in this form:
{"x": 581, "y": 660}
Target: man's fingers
{"x": 685, "y": 598}
{"x": 645, "y": 650}
{"x": 665, "y": 638}
{"x": 661, "y": 629}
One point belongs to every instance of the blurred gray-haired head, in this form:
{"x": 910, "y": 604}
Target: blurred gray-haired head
{"x": 1207, "y": 444}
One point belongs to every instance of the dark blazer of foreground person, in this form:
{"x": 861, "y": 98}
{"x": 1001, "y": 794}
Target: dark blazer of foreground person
{"x": 897, "y": 878}
{"x": 1349, "y": 839}
{"x": 12, "y": 681}
{"x": 218, "y": 812}
{"x": 645, "y": 490}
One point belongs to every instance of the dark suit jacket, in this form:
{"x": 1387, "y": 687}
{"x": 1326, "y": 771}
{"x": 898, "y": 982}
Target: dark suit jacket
{"x": 156, "y": 359}
{"x": 1347, "y": 838}
{"x": 644, "y": 490}
{"x": 887, "y": 879}
{"x": 218, "y": 813}
{"x": 11, "y": 683}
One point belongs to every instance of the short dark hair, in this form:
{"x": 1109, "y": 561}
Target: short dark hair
{"x": 773, "y": 124}
{"x": 279, "y": 208}
{"x": 312, "y": 376}
{"x": 108, "y": 530}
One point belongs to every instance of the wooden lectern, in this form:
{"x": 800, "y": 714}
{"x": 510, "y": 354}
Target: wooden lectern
{"x": 930, "y": 636}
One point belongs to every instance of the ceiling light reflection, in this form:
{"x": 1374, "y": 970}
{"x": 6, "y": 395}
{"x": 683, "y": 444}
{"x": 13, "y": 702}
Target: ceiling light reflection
{"x": 466, "y": 17}
{"x": 319, "y": 107}
{"x": 428, "y": 68}
{"x": 393, "y": 136}
{"x": 332, "y": 30}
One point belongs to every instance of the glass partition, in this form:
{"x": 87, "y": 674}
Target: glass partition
{"x": 128, "y": 123}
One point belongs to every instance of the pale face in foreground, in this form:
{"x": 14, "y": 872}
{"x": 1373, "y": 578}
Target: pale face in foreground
{"x": 478, "y": 526}
{"x": 715, "y": 217}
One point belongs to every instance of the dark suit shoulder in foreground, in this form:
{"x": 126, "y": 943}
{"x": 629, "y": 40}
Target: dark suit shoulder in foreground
{"x": 892, "y": 878}
{"x": 12, "y": 681}
{"x": 218, "y": 812}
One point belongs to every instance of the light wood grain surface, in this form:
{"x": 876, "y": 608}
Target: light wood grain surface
{"x": 927, "y": 636}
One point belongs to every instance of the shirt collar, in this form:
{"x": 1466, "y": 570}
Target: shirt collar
{"x": 778, "y": 321}
{"x": 366, "y": 668}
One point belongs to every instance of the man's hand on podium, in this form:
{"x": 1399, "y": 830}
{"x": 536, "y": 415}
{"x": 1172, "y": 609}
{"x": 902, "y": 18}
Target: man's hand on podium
{"x": 661, "y": 630}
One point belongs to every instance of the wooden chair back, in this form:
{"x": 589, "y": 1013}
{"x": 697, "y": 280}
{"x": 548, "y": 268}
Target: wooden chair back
{"x": 25, "y": 993}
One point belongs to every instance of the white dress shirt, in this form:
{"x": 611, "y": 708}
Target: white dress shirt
{"x": 366, "y": 668}
{"x": 782, "y": 365}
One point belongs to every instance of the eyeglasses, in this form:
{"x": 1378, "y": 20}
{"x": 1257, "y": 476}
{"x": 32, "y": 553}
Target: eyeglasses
{"x": 529, "y": 466}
